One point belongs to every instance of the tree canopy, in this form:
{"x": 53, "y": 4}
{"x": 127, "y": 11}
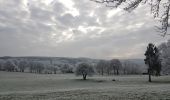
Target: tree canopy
{"x": 84, "y": 69}
{"x": 152, "y": 60}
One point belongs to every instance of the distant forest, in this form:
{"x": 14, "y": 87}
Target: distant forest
{"x": 54, "y": 65}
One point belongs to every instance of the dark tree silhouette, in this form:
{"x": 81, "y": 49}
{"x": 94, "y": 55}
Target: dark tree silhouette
{"x": 159, "y": 9}
{"x": 152, "y": 60}
{"x": 157, "y": 64}
{"x": 84, "y": 70}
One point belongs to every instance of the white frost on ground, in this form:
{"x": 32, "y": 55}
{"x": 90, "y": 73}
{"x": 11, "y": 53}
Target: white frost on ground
{"x": 26, "y": 86}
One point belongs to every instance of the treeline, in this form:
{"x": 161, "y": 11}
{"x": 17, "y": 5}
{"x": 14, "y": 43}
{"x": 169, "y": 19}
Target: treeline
{"x": 33, "y": 67}
{"x": 103, "y": 67}
{"x": 116, "y": 67}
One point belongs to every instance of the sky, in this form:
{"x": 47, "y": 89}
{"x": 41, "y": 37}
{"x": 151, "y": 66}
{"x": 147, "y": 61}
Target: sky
{"x": 75, "y": 28}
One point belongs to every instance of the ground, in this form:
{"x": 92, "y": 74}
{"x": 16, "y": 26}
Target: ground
{"x": 26, "y": 86}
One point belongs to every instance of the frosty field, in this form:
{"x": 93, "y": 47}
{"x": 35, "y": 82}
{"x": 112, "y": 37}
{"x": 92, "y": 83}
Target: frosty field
{"x": 26, "y": 86}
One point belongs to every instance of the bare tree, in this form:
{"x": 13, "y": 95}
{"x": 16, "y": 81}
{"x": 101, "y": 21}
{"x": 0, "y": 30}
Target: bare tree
{"x": 101, "y": 66}
{"x": 36, "y": 67}
{"x": 55, "y": 68}
{"x": 84, "y": 69}
{"x": 39, "y": 67}
{"x": 159, "y": 8}
{"x": 15, "y": 62}
{"x": 115, "y": 65}
{"x": 9, "y": 66}
{"x": 22, "y": 65}
{"x": 66, "y": 69}
{"x": 131, "y": 68}
{"x": 31, "y": 66}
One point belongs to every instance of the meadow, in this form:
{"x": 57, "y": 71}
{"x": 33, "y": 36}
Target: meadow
{"x": 27, "y": 86}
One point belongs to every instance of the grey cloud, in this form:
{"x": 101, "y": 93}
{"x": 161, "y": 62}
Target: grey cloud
{"x": 36, "y": 29}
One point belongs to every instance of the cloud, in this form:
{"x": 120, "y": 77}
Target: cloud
{"x": 75, "y": 29}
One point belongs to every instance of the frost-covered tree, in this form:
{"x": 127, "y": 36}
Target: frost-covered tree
{"x": 55, "y": 68}
{"x": 164, "y": 49}
{"x": 31, "y": 66}
{"x": 15, "y": 62}
{"x": 66, "y": 69}
{"x": 159, "y": 8}
{"x": 22, "y": 65}
{"x": 101, "y": 66}
{"x": 152, "y": 60}
{"x": 36, "y": 67}
{"x": 129, "y": 67}
{"x": 84, "y": 69}
{"x": 8, "y": 66}
{"x": 115, "y": 64}
{"x": 39, "y": 67}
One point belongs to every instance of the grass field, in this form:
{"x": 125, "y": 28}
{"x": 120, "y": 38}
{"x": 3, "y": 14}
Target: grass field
{"x": 26, "y": 86}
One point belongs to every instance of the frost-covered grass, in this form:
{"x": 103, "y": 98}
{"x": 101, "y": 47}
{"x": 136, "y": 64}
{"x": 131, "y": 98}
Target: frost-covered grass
{"x": 26, "y": 86}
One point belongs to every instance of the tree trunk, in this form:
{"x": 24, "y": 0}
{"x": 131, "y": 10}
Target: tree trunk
{"x": 117, "y": 72}
{"x": 55, "y": 72}
{"x": 124, "y": 71}
{"x": 84, "y": 77}
{"x": 149, "y": 72}
{"x": 102, "y": 71}
{"x": 114, "y": 71}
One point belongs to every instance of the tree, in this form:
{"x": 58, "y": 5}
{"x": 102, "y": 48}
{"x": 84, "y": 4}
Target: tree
{"x": 31, "y": 66}
{"x": 101, "y": 66}
{"x": 15, "y": 62}
{"x": 9, "y": 66}
{"x": 84, "y": 69}
{"x": 22, "y": 65}
{"x": 157, "y": 62}
{"x": 36, "y": 67}
{"x": 159, "y": 8}
{"x": 66, "y": 69}
{"x": 1, "y": 66}
{"x": 152, "y": 60}
{"x": 164, "y": 49}
{"x": 39, "y": 67}
{"x": 115, "y": 64}
{"x": 131, "y": 68}
{"x": 55, "y": 68}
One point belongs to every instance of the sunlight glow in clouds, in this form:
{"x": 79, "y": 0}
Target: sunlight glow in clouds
{"x": 47, "y": 2}
{"x": 69, "y": 4}
{"x": 73, "y": 28}
{"x": 113, "y": 12}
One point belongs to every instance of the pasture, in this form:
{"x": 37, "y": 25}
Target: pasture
{"x": 26, "y": 86}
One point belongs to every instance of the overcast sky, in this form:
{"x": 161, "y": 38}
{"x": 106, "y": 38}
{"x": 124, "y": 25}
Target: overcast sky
{"x": 74, "y": 28}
